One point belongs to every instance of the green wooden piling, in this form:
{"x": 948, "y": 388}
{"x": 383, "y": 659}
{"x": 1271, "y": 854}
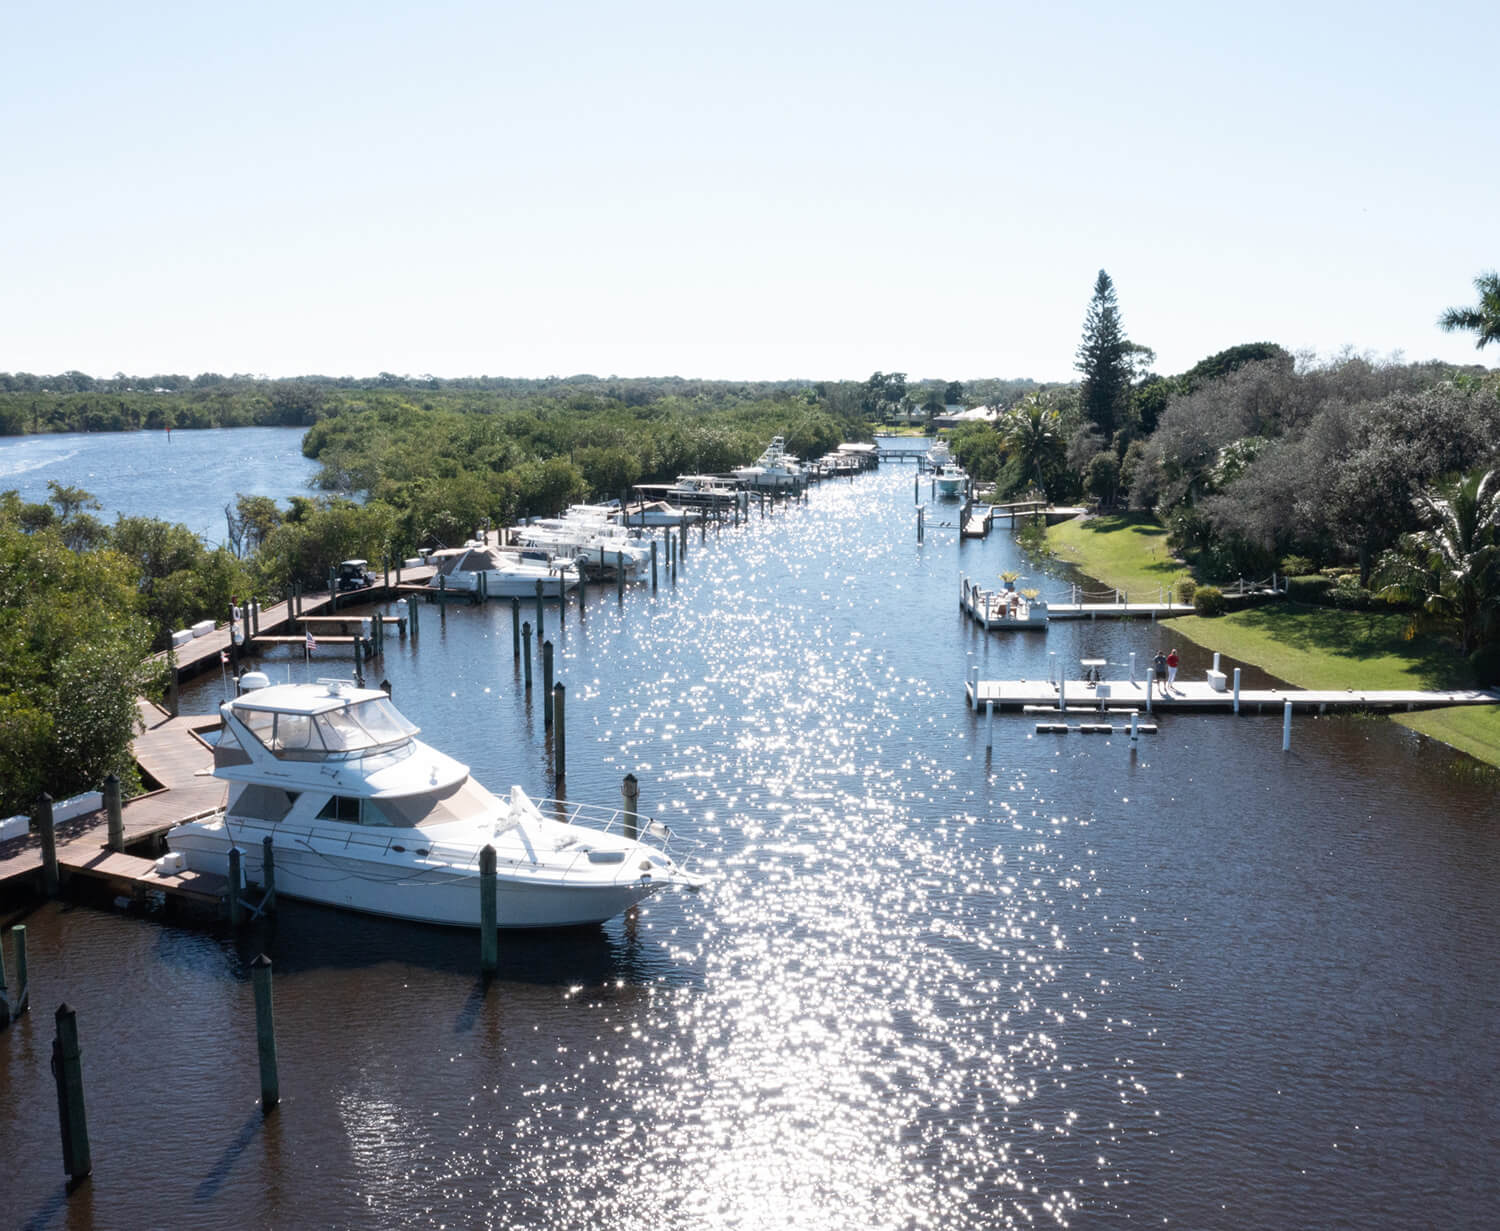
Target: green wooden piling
{"x": 265, "y": 1033}
{"x": 539, "y": 610}
{"x": 489, "y": 940}
{"x": 116, "y": 813}
{"x": 559, "y": 732}
{"x": 653, "y": 564}
{"x": 630, "y": 793}
{"x": 41, "y": 819}
{"x": 236, "y": 906}
{"x": 620, "y": 574}
{"x": 515, "y": 627}
{"x": 67, "y": 1070}
{"x": 526, "y": 652}
{"x": 268, "y": 873}
{"x": 546, "y": 684}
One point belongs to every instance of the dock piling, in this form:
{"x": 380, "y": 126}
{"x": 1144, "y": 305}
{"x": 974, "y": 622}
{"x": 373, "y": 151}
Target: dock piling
{"x": 546, "y": 685}
{"x": 67, "y": 1070}
{"x": 265, "y": 1033}
{"x": 268, "y": 874}
{"x": 989, "y": 728}
{"x": 489, "y": 939}
{"x": 515, "y": 627}
{"x": 539, "y": 610}
{"x": 236, "y": 884}
{"x": 1150, "y": 683}
{"x": 1236, "y": 690}
{"x": 559, "y": 733}
{"x": 41, "y": 815}
{"x": 526, "y": 652}
{"x": 1286, "y": 726}
{"x": 630, "y": 794}
{"x": 653, "y": 566}
{"x": 13, "y": 1005}
{"x": 116, "y": 813}
{"x": 1134, "y": 736}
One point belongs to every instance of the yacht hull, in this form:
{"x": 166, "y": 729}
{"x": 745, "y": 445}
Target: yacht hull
{"x": 403, "y": 884}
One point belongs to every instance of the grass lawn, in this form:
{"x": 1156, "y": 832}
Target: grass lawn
{"x": 1312, "y": 647}
{"x": 1126, "y": 551}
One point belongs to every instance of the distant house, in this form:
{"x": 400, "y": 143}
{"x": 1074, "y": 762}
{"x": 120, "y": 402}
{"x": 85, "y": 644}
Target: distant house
{"x": 954, "y": 414}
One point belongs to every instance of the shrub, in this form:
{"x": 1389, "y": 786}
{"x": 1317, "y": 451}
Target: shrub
{"x": 1485, "y": 662}
{"x": 1209, "y": 601}
{"x": 1312, "y": 589}
{"x": 1186, "y": 588}
{"x": 1297, "y": 566}
{"x": 1349, "y": 594}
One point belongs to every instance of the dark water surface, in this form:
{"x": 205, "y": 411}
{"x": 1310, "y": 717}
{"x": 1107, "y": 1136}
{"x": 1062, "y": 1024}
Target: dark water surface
{"x": 1205, "y": 984}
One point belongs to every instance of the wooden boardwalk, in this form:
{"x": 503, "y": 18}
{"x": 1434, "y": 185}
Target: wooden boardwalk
{"x": 1203, "y": 697}
{"x": 170, "y": 754}
{"x": 277, "y": 622}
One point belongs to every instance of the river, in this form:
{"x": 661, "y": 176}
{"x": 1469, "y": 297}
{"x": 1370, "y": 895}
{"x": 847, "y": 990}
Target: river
{"x": 1205, "y": 983}
{"x": 182, "y": 476}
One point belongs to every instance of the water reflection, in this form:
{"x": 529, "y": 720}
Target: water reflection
{"x": 1210, "y": 982}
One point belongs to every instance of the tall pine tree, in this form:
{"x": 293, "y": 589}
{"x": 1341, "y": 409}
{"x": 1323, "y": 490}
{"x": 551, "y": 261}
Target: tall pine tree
{"x": 1104, "y": 360}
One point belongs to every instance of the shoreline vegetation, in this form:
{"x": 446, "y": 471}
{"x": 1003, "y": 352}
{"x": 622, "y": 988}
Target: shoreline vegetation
{"x": 1305, "y": 645}
{"x": 1363, "y": 478}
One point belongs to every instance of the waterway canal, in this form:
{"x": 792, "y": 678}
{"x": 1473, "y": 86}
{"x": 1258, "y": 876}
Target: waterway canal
{"x": 1206, "y": 984}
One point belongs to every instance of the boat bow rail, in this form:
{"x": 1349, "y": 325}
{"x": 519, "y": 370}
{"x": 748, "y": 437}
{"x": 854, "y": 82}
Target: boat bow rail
{"x": 560, "y": 862}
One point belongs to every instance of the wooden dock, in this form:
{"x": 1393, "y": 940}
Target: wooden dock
{"x": 179, "y": 764}
{"x": 1201, "y": 696}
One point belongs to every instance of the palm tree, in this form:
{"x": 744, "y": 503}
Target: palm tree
{"x": 1484, "y": 318}
{"x": 1033, "y": 437}
{"x": 1453, "y": 565}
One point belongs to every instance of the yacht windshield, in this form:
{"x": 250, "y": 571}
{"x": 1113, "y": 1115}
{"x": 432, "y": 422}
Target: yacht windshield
{"x": 335, "y": 733}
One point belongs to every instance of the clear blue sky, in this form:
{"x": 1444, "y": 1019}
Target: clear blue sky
{"x": 749, "y": 191}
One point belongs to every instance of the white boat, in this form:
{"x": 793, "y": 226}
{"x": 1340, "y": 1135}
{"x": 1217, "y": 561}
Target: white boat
{"x": 506, "y": 572}
{"x": 593, "y": 543}
{"x": 703, "y": 490}
{"x": 938, "y": 455}
{"x": 950, "y": 479}
{"x": 775, "y": 468}
{"x": 363, "y": 815}
{"x": 658, "y": 513}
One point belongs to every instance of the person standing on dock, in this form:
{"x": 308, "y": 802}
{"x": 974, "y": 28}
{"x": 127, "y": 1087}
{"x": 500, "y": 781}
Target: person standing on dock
{"x": 1172, "y": 670}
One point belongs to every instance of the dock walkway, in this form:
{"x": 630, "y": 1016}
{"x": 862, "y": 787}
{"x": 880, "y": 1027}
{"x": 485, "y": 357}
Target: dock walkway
{"x": 180, "y": 764}
{"x": 1202, "y": 696}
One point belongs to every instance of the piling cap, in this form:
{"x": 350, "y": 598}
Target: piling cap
{"x": 261, "y": 961}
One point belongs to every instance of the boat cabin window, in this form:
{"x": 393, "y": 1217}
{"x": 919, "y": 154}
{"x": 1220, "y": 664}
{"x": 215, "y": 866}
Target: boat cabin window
{"x": 467, "y": 801}
{"x": 266, "y": 803}
{"x": 335, "y": 733}
{"x": 340, "y": 808}
{"x": 355, "y": 811}
{"x": 228, "y": 750}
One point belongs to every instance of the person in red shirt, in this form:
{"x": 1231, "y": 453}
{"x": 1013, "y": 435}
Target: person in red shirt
{"x": 1172, "y": 670}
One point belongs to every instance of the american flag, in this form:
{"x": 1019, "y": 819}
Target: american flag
{"x": 312, "y": 643}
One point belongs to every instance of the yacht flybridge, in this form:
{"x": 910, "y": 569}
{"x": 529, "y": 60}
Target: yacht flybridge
{"x": 363, "y": 815}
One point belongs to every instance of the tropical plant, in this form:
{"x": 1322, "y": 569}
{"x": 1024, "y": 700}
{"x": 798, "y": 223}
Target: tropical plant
{"x": 1032, "y": 434}
{"x": 1452, "y": 565}
{"x": 1484, "y": 318}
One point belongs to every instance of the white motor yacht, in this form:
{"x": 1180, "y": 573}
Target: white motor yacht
{"x": 506, "y": 572}
{"x": 594, "y": 543}
{"x": 775, "y": 468}
{"x": 363, "y": 815}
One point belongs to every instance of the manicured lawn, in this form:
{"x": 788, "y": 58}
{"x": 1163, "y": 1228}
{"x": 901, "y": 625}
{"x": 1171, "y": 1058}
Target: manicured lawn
{"x": 1323, "y": 647}
{"x": 1127, "y": 551}
{"x": 1312, "y": 647}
